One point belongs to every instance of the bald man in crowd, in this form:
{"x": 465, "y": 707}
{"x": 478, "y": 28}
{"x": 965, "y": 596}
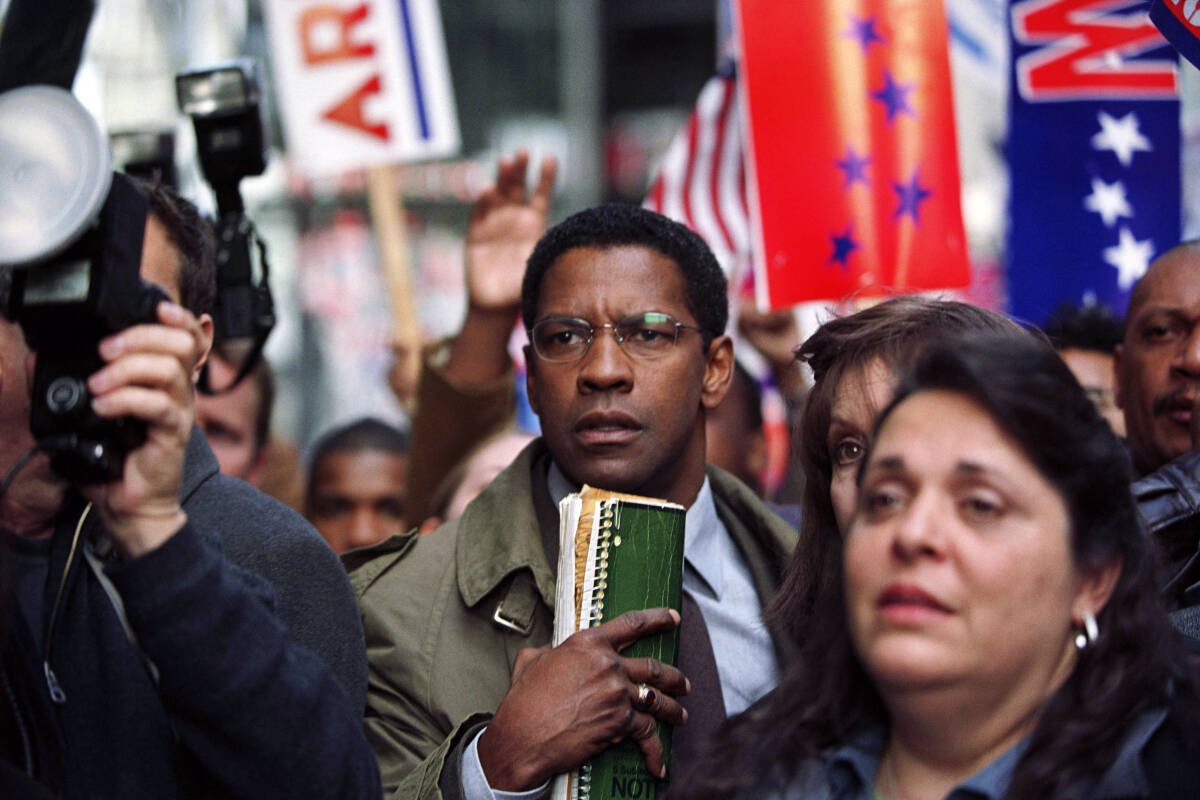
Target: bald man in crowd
{"x": 1158, "y": 388}
{"x": 1158, "y": 363}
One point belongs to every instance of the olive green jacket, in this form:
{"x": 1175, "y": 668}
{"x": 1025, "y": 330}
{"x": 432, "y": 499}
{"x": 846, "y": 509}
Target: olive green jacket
{"x": 445, "y": 615}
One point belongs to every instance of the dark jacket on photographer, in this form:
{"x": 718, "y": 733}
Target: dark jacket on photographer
{"x": 313, "y": 597}
{"x": 170, "y": 675}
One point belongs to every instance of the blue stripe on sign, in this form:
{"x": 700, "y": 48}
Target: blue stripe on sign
{"x": 415, "y": 69}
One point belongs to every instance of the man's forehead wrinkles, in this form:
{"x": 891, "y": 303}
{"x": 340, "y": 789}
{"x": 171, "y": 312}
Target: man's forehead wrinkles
{"x": 613, "y": 305}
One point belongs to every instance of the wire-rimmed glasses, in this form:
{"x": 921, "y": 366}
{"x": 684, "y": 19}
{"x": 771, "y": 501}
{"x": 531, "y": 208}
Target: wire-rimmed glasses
{"x": 647, "y": 335}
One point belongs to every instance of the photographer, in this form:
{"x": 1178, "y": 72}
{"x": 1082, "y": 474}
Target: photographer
{"x": 313, "y": 598}
{"x": 160, "y": 665}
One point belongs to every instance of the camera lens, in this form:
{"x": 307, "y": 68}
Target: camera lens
{"x": 64, "y": 394}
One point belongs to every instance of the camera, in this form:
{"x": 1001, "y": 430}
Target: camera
{"x": 223, "y": 103}
{"x": 71, "y": 232}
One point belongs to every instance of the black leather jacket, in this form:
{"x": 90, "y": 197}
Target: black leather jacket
{"x": 1169, "y": 503}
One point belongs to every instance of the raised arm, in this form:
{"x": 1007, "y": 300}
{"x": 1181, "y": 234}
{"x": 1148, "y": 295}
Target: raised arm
{"x": 468, "y": 394}
{"x": 262, "y": 716}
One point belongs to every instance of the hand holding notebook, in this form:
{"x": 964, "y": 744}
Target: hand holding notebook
{"x": 570, "y": 702}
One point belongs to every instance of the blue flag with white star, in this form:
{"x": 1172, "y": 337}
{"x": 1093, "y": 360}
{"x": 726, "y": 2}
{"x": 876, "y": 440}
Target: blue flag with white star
{"x": 1094, "y": 153}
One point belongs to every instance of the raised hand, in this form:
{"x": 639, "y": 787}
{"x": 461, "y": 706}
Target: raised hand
{"x": 506, "y": 222}
{"x": 775, "y": 335}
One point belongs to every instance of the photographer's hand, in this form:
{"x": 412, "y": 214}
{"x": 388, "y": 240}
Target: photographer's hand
{"x": 148, "y": 376}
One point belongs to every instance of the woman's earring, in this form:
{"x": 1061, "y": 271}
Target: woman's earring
{"x": 1090, "y": 632}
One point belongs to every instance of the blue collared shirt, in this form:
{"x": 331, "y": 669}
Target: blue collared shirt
{"x": 716, "y": 576}
{"x": 848, "y": 772}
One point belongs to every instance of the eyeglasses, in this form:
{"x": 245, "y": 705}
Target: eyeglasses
{"x": 651, "y": 334}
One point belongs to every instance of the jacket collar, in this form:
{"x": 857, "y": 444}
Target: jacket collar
{"x": 1125, "y": 777}
{"x": 486, "y": 556}
{"x": 499, "y": 532}
{"x": 199, "y": 464}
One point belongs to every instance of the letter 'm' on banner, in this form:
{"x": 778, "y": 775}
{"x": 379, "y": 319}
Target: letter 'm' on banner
{"x": 1087, "y": 54}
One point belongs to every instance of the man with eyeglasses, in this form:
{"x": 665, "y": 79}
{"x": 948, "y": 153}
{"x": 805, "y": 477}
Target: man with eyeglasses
{"x": 626, "y": 312}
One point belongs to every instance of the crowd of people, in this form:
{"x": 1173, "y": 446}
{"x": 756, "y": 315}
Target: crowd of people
{"x": 987, "y": 586}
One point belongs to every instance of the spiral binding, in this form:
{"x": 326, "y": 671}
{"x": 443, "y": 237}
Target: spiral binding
{"x": 585, "y": 782}
{"x": 599, "y": 576}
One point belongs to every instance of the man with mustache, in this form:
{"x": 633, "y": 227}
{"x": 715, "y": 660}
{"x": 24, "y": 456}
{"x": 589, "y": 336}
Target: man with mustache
{"x": 626, "y": 312}
{"x": 1158, "y": 364}
{"x": 1158, "y": 389}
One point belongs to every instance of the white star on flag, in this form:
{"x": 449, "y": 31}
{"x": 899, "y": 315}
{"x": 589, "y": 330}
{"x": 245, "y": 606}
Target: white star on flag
{"x": 1130, "y": 257}
{"x": 1121, "y": 136}
{"x": 1108, "y": 200}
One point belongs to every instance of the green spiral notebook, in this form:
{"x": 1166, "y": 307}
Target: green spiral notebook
{"x": 618, "y": 553}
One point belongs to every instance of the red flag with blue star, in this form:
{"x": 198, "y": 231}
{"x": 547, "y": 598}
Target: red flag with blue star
{"x": 851, "y": 148}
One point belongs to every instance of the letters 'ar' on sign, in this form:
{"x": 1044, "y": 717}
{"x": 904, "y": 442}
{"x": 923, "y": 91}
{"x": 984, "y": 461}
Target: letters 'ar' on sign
{"x": 362, "y": 83}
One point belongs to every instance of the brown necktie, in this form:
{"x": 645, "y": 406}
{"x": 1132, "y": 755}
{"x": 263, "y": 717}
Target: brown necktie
{"x": 705, "y": 704}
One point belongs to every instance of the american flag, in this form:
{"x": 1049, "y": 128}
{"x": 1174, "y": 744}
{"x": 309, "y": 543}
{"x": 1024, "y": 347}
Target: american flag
{"x": 702, "y": 179}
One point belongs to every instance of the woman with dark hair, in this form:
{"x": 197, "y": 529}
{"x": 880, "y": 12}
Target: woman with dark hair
{"x": 855, "y": 361}
{"x": 995, "y": 629}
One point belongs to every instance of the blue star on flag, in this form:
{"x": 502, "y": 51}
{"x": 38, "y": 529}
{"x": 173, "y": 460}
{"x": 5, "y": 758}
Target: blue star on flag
{"x": 911, "y": 195}
{"x": 855, "y": 167}
{"x": 843, "y": 246}
{"x": 863, "y": 30}
{"x": 894, "y": 96}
